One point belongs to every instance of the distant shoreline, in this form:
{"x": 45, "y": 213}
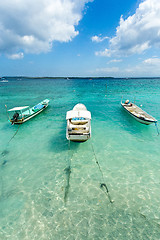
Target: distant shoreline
{"x": 70, "y": 78}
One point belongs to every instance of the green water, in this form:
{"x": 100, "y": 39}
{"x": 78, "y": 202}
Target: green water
{"x": 50, "y": 192}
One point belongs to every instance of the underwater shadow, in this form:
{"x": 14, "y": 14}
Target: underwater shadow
{"x": 132, "y": 126}
{"x": 59, "y": 143}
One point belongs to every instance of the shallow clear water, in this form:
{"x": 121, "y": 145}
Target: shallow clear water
{"x": 50, "y": 190}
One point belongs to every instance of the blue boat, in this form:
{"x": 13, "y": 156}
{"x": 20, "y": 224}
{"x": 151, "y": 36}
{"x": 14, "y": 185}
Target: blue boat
{"x": 23, "y": 114}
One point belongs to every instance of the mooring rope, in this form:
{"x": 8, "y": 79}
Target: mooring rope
{"x": 7, "y": 144}
{"x": 157, "y": 128}
{"x": 102, "y": 184}
{"x": 14, "y": 134}
{"x": 69, "y": 148}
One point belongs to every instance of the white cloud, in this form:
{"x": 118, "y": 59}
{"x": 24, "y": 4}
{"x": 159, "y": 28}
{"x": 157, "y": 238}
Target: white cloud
{"x": 115, "y": 61}
{"x": 138, "y": 32}
{"x": 145, "y": 68}
{"x": 32, "y": 26}
{"x": 152, "y": 61}
{"x": 16, "y": 56}
{"x": 98, "y": 38}
{"x": 112, "y": 70}
{"x": 105, "y": 53}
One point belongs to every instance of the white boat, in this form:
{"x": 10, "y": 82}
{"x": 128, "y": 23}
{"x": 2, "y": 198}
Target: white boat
{"x": 137, "y": 113}
{"x": 3, "y": 80}
{"x": 78, "y": 123}
{"x": 23, "y": 114}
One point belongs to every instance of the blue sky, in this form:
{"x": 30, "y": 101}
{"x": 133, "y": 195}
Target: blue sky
{"x": 118, "y": 38}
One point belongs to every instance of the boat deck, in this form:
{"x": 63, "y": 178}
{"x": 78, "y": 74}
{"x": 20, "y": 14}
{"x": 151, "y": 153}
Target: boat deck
{"x": 32, "y": 110}
{"x": 138, "y": 112}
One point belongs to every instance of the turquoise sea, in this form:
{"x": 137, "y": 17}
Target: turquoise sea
{"x": 50, "y": 190}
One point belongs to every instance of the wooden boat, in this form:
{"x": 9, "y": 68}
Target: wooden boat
{"x": 23, "y": 114}
{"x": 137, "y": 113}
{"x": 78, "y": 124}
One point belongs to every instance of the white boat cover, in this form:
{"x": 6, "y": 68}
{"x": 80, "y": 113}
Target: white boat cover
{"x": 18, "y": 108}
{"x": 45, "y": 101}
{"x": 79, "y": 107}
{"x": 74, "y": 114}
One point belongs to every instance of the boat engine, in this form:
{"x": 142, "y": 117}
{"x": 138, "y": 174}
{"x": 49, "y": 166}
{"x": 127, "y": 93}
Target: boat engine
{"x": 15, "y": 117}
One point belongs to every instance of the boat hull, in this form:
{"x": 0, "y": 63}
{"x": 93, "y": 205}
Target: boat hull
{"x": 78, "y": 138}
{"x": 20, "y": 121}
{"x": 143, "y": 121}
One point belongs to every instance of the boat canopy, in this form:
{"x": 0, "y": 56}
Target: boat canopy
{"x": 18, "y": 108}
{"x": 45, "y": 101}
{"x": 75, "y": 114}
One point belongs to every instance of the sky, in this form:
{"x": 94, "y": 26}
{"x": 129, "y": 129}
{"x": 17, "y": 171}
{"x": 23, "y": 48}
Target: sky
{"x": 84, "y": 38}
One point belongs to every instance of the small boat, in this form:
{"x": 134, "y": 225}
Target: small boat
{"x": 3, "y": 81}
{"x": 78, "y": 123}
{"x": 137, "y": 113}
{"x": 23, "y": 114}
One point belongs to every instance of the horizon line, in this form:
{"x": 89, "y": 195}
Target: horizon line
{"x": 77, "y": 77}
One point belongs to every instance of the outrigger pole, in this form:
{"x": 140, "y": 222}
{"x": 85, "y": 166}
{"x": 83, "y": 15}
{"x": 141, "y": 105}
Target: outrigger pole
{"x": 7, "y": 113}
